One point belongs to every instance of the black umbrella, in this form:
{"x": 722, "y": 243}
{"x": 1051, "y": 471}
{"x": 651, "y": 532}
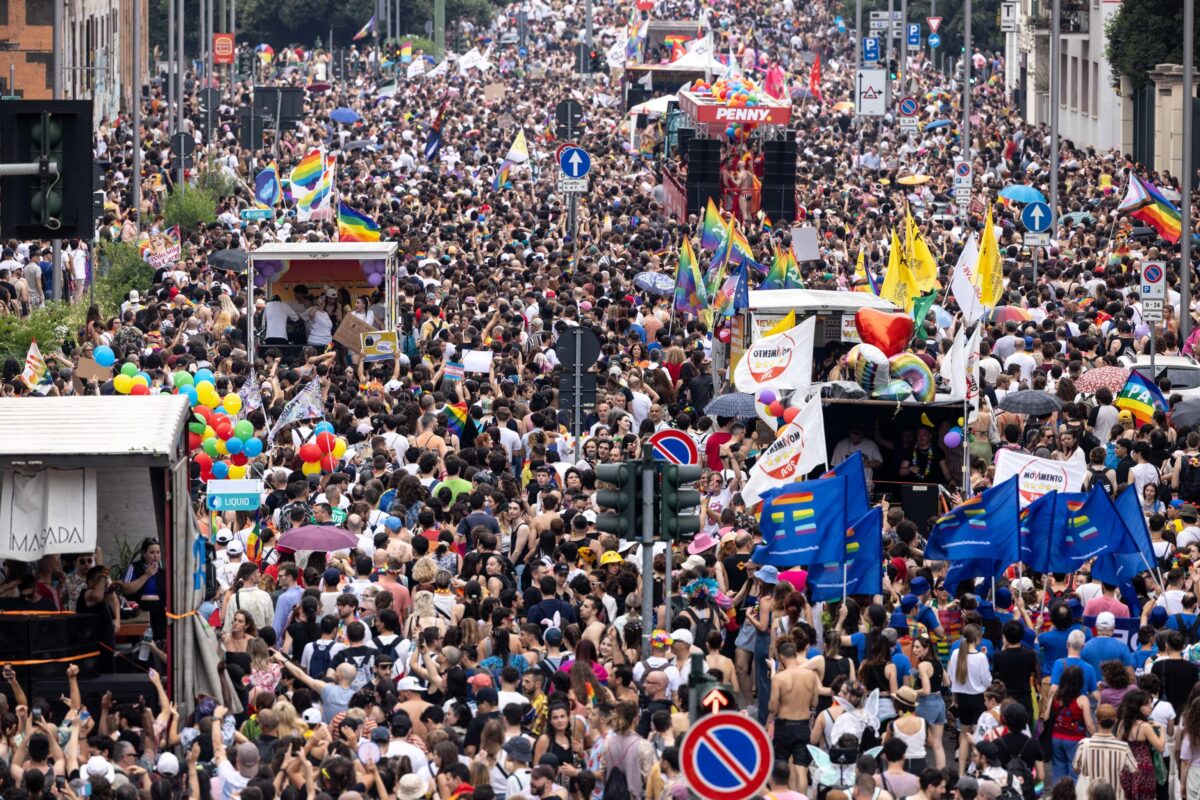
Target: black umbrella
{"x": 844, "y": 390}
{"x": 734, "y": 404}
{"x": 228, "y": 259}
{"x": 1031, "y": 401}
{"x": 1186, "y": 414}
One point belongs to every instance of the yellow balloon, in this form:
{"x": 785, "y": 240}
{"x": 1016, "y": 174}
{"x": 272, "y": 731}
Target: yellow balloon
{"x": 221, "y": 448}
{"x": 233, "y": 403}
{"x": 236, "y": 472}
{"x": 142, "y": 380}
{"x": 209, "y": 433}
{"x": 339, "y": 448}
{"x": 311, "y": 468}
{"x": 122, "y": 383}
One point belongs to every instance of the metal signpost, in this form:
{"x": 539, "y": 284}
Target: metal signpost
{"x": 1036, "y": 219}
{"x": 1154, "y": 294}
{"x": 577, "y": 349}
{"x": 908, "y": 110}
{"x": 962, "y": 184}
{"x": 574, "y": 163}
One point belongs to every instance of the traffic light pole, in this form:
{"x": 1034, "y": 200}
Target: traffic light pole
{"x": 57, "y": 281}
{"x": 647, "y": 498}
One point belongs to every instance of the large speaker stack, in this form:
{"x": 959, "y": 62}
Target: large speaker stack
{"x": 704, "y": 172}
{"x": 779, "y": 177}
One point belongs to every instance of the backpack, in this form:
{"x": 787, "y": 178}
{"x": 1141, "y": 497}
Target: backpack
{"x": 1191, "y": 633}
{"x": 1189, "y": 478}
{"x": 1017, "y": 768}
{"x": 616, "y": 785}
{"x": 701, "y": 627}
{"x": 365, "y": 664}
{"x": 321, "y": 658}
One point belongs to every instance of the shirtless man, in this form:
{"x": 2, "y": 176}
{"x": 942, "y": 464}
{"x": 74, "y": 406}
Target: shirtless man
{"x": 794, "y": 691}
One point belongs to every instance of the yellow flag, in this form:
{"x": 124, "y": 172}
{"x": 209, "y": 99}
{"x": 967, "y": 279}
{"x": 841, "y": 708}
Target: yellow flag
{"x": 988, "y": 272}
{"x": 785, "y": 324}
{"x": 898, "y": 283}
{"x": 921, "y": 262}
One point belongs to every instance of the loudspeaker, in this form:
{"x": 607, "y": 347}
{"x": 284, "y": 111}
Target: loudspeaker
{"x": 286, "y": 102}
{"x": 919, "y": 501}
{"x": 704, "y": 156}
{"x": 635, "y": 94}
{"x": 54, "y": 637}
{"x": 779, "y": 163}
{"x": 685, "y": 138}
{"x": 779, "y": 201}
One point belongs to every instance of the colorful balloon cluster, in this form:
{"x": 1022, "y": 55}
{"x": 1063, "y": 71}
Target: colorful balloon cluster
{"x": 881, "y": 367}
{"x": 267, "y": 271}
{"x": 218, "y": 436}
{"x": 374, "y": 271}
{"x": 775, "y": 407}
{"x": 129, "y": 380}
{"x": 734, "y": 93}
{"x": 322, "y": 453}
{"x": 954, "y": 436}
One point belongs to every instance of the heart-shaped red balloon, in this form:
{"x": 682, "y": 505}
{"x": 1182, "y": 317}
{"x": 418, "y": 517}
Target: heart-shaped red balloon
{"x": 888, "y": 331}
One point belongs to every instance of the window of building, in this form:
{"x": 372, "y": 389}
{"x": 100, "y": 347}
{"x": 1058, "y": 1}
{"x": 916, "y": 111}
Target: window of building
{"x": 1062, "y": 79}
{"x": 1095, "y": 88}
{"x": 1085, "y": 90}
{"x": 39, "y": 12}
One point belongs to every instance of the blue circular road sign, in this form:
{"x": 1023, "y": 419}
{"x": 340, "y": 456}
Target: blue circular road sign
{"x": 574, "y": 162}
{"x": 1036, "y": 217}
{"x": 935, "y": 39}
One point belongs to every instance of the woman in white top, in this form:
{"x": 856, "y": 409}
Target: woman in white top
{"x": 970, "y": 676}
{"x": 908, "y": 728}
{"x": 320, "y": 325}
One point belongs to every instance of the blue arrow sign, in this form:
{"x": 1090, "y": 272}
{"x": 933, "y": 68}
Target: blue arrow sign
{"x": 870, "y": 46}
{"x": 1036, "y": 217}
{"x": 914, "y": 34}
{"x": 935, "y": 39}
{"x": 574, "y": 162}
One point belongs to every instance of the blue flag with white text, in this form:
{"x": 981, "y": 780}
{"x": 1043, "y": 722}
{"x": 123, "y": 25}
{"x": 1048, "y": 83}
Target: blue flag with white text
{"x": 803, "y": 523}
{"x": 982, "y": 528}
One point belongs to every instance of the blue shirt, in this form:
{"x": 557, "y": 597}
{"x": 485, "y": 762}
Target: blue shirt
{"x": 929, "y": 618}
{"x": 902, "y": 664}
{"x": 859, "y": 642}
{"x": 288, "y": 600}
{"x": 1106, "y": 648}
{"x": 1090, "y": 676}
{"x": 1179, "y": 622}
{"x": 1053, "y": 644}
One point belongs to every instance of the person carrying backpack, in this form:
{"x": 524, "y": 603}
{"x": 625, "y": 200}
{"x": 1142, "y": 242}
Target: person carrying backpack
{"x": 627, "y": 757}
{"x": 318, "y": 654}
{"x": 1185, "y": 478}
{"x": 358, "y": 654}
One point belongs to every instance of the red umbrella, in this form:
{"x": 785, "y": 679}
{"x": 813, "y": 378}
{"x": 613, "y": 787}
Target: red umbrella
{"x": 1111, "y": 377}
{"x": 320, "y": 538}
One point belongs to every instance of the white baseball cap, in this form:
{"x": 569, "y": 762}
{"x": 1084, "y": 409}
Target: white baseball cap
{"x": 235, "y": 548}
{"x": 1106, "y": 619}
{"x": 311, "y": 716}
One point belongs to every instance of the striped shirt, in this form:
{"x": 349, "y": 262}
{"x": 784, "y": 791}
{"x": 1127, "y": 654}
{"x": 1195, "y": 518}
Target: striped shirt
{"x": 1104, "y": 757}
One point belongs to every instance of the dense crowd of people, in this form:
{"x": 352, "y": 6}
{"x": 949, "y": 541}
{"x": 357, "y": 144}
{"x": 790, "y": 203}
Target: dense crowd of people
{"x": 481, "y": 638}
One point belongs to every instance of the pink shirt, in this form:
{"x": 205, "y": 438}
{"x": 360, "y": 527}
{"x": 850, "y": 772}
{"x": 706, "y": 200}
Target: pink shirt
{"x": 1100, "y": 604}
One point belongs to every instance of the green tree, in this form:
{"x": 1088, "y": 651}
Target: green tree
{"x": 119, "y": 268}
{"x": 188, "y": 207}
{"x": 1143, "y": 34}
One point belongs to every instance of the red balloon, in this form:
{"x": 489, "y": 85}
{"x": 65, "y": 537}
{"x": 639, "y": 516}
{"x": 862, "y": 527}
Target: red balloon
{"x": 194, "y": 441}
{"x": 204, "y": 460}
{"x": 239, "y": 459}
{"x": 775, "y": 409}
{"x": 223, "y": 431}
{"x": 328, "y": 463}
{"x": 202, "y": 412}
{"x": 326, "y": 441}
{"x": 889, "y": 331}
{"x": 724, "y": 335}
{"x": 139, "y": 389}
{"x": 206, "y": 475}
{"x": 790, "y": 415}
{"x": 310, "y": 452}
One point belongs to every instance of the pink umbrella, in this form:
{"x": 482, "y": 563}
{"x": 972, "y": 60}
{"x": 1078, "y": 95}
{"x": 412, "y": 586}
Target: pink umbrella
{"x": 1111, "y": 377}
{"x": 320, "y": 538}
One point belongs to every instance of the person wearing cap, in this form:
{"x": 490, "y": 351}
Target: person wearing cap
{"x": 230, "y": 558}
{"x": 234, "y": 777}
{"x": 518, "y": 754}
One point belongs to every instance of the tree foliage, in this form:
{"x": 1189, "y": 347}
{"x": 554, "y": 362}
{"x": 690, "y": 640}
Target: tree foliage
{"x": 50, "y": 326}
{"x": 119, "y": 268}
{"x": 1143, "y": 34}
{"x": 188, "y": 206}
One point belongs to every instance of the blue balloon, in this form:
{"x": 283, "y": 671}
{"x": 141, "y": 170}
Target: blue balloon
{"x": 324, "y": 426}
{"x": 146, "y": 375}
{"x": 233, "y": 445}
{"x": 252, "y": 448}
{"x": 204, "y": 376}
{"x": 190, "y": 393}
{"x": 220, "y": 470}
{"x": 104, "y": 356}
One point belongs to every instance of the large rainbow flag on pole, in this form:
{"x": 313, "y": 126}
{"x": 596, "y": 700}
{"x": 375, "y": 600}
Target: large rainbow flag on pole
{"x": 691, "y": 296}
{"x": 355, "y": 226}
{"x": 1144, "y": 201}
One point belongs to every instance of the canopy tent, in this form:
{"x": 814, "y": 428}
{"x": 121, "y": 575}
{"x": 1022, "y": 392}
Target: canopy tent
{"x": 658, "y": 105}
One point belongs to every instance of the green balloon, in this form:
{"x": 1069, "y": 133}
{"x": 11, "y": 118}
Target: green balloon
{"x": 129, "y": 368}
{"x": 182, "y": 379}
{"x": 196, "y": 427}
{"x": 244, "y": 429}
{"x": 210, "y": 446}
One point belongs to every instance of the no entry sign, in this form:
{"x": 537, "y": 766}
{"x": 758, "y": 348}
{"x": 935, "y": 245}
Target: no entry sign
{"x": 726, "y": 757}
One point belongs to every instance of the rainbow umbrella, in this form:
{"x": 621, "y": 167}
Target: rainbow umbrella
{"x": 1003, "y": 314}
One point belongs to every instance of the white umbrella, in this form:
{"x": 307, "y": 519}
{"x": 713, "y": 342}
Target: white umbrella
{"x": 656, "y": 106}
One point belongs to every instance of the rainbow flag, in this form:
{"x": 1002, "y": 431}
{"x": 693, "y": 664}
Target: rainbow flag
{"x": 406, "y": 52}
{"x": 690, "y": 292}
{"x": 678, "y": 44}
{"x": 792, "y": 279}
{"x": 1145, "y": 202}
{"x": 367, "y": 30}
{"x": 714, "y": 230}
{"x": 777, "y": 277}
{"x": 308, "y": 172}
{"x": 1141, "y": 398}
{"x": 767, "y": 227}
{"x": 501, "y": 181}
{"x": 318, "y": 197}
{"x": 740, "y": 251}
{"x": 733, "y": 295}
{"x": 456, "y": 418}
{"x": 355, "y": 226}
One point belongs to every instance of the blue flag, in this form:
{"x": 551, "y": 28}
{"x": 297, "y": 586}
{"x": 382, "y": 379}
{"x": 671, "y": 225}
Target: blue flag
{"x": 1036, "y": 521}
{"x": 1118, "y": 569}
{"x": 859, "y": 570}
{"x": 971, "y": 569}
{"x": 982, "y": 528}
{"x": 1078, "y": 528}
{"x": 803, "y": 523}
{"x": 267, "y": 189}
{"x": 858, "y": 501}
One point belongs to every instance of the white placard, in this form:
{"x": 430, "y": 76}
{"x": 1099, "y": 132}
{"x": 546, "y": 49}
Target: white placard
{"x": 804, "y": 244}
{"x": 1038, "y": 476}
{"x": 47, "y": 511}
{"x": 477, "y": 360}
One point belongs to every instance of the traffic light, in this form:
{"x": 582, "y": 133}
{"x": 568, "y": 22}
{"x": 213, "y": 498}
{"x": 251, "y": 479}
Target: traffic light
{"x": 45, "y": 132}
{"x": 673, "y": 501}
{"x": 597, "y": 61}
{"x": 892, "y": 73}
{"x": 583, "y": 62}
{"x": 625, "y": 518}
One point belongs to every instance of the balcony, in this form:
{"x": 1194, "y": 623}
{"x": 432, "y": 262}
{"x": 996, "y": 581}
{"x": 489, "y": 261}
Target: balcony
{"x": 1075, "y": 18}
